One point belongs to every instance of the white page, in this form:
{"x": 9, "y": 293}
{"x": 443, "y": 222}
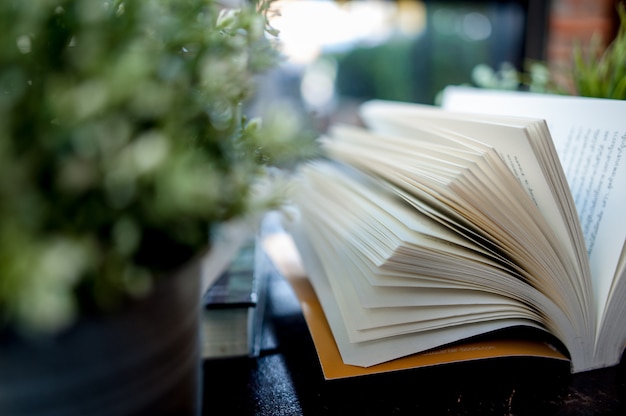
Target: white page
{"x": 338, "y": 263}
{"x": 366, "y": 354}
{"x": 600, "y": 197}
{"x": 510, "y": 138}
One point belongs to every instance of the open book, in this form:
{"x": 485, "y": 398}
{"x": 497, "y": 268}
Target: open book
{"x": 434, "y": 225}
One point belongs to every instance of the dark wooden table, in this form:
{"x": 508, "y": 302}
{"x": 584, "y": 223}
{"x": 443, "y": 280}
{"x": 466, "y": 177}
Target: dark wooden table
{"x": 287, "y": 380}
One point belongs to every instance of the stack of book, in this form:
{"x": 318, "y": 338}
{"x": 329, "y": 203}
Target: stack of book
{"x": 234, "y": 306}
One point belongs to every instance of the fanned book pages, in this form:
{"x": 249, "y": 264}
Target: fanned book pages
{"x": 430, "y": 226}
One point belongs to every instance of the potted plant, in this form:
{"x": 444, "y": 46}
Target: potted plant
{"x": 123, "y": 139}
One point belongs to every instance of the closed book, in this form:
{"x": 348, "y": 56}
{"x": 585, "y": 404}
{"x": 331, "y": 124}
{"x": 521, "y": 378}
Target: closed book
{"x": 233, "y": 306}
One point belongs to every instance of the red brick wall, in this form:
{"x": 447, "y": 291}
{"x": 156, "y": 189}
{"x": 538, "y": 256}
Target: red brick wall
{"x": 574, "y": 22}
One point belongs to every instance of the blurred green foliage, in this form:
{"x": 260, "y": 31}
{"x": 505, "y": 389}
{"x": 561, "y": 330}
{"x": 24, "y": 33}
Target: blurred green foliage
{"x": 536, "y": 77}
{"x": 122, "y": 140}
{"x": 602, "y": 73}
{"x": 597, "y": 72}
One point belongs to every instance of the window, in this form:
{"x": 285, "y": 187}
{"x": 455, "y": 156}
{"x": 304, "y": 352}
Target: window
{"x": 338, "y": 54}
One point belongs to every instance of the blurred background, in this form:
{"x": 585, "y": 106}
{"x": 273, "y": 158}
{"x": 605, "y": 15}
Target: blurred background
{"x": 338, "y": 54}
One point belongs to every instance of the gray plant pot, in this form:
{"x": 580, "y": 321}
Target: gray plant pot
{"x": 143, "y": 360}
